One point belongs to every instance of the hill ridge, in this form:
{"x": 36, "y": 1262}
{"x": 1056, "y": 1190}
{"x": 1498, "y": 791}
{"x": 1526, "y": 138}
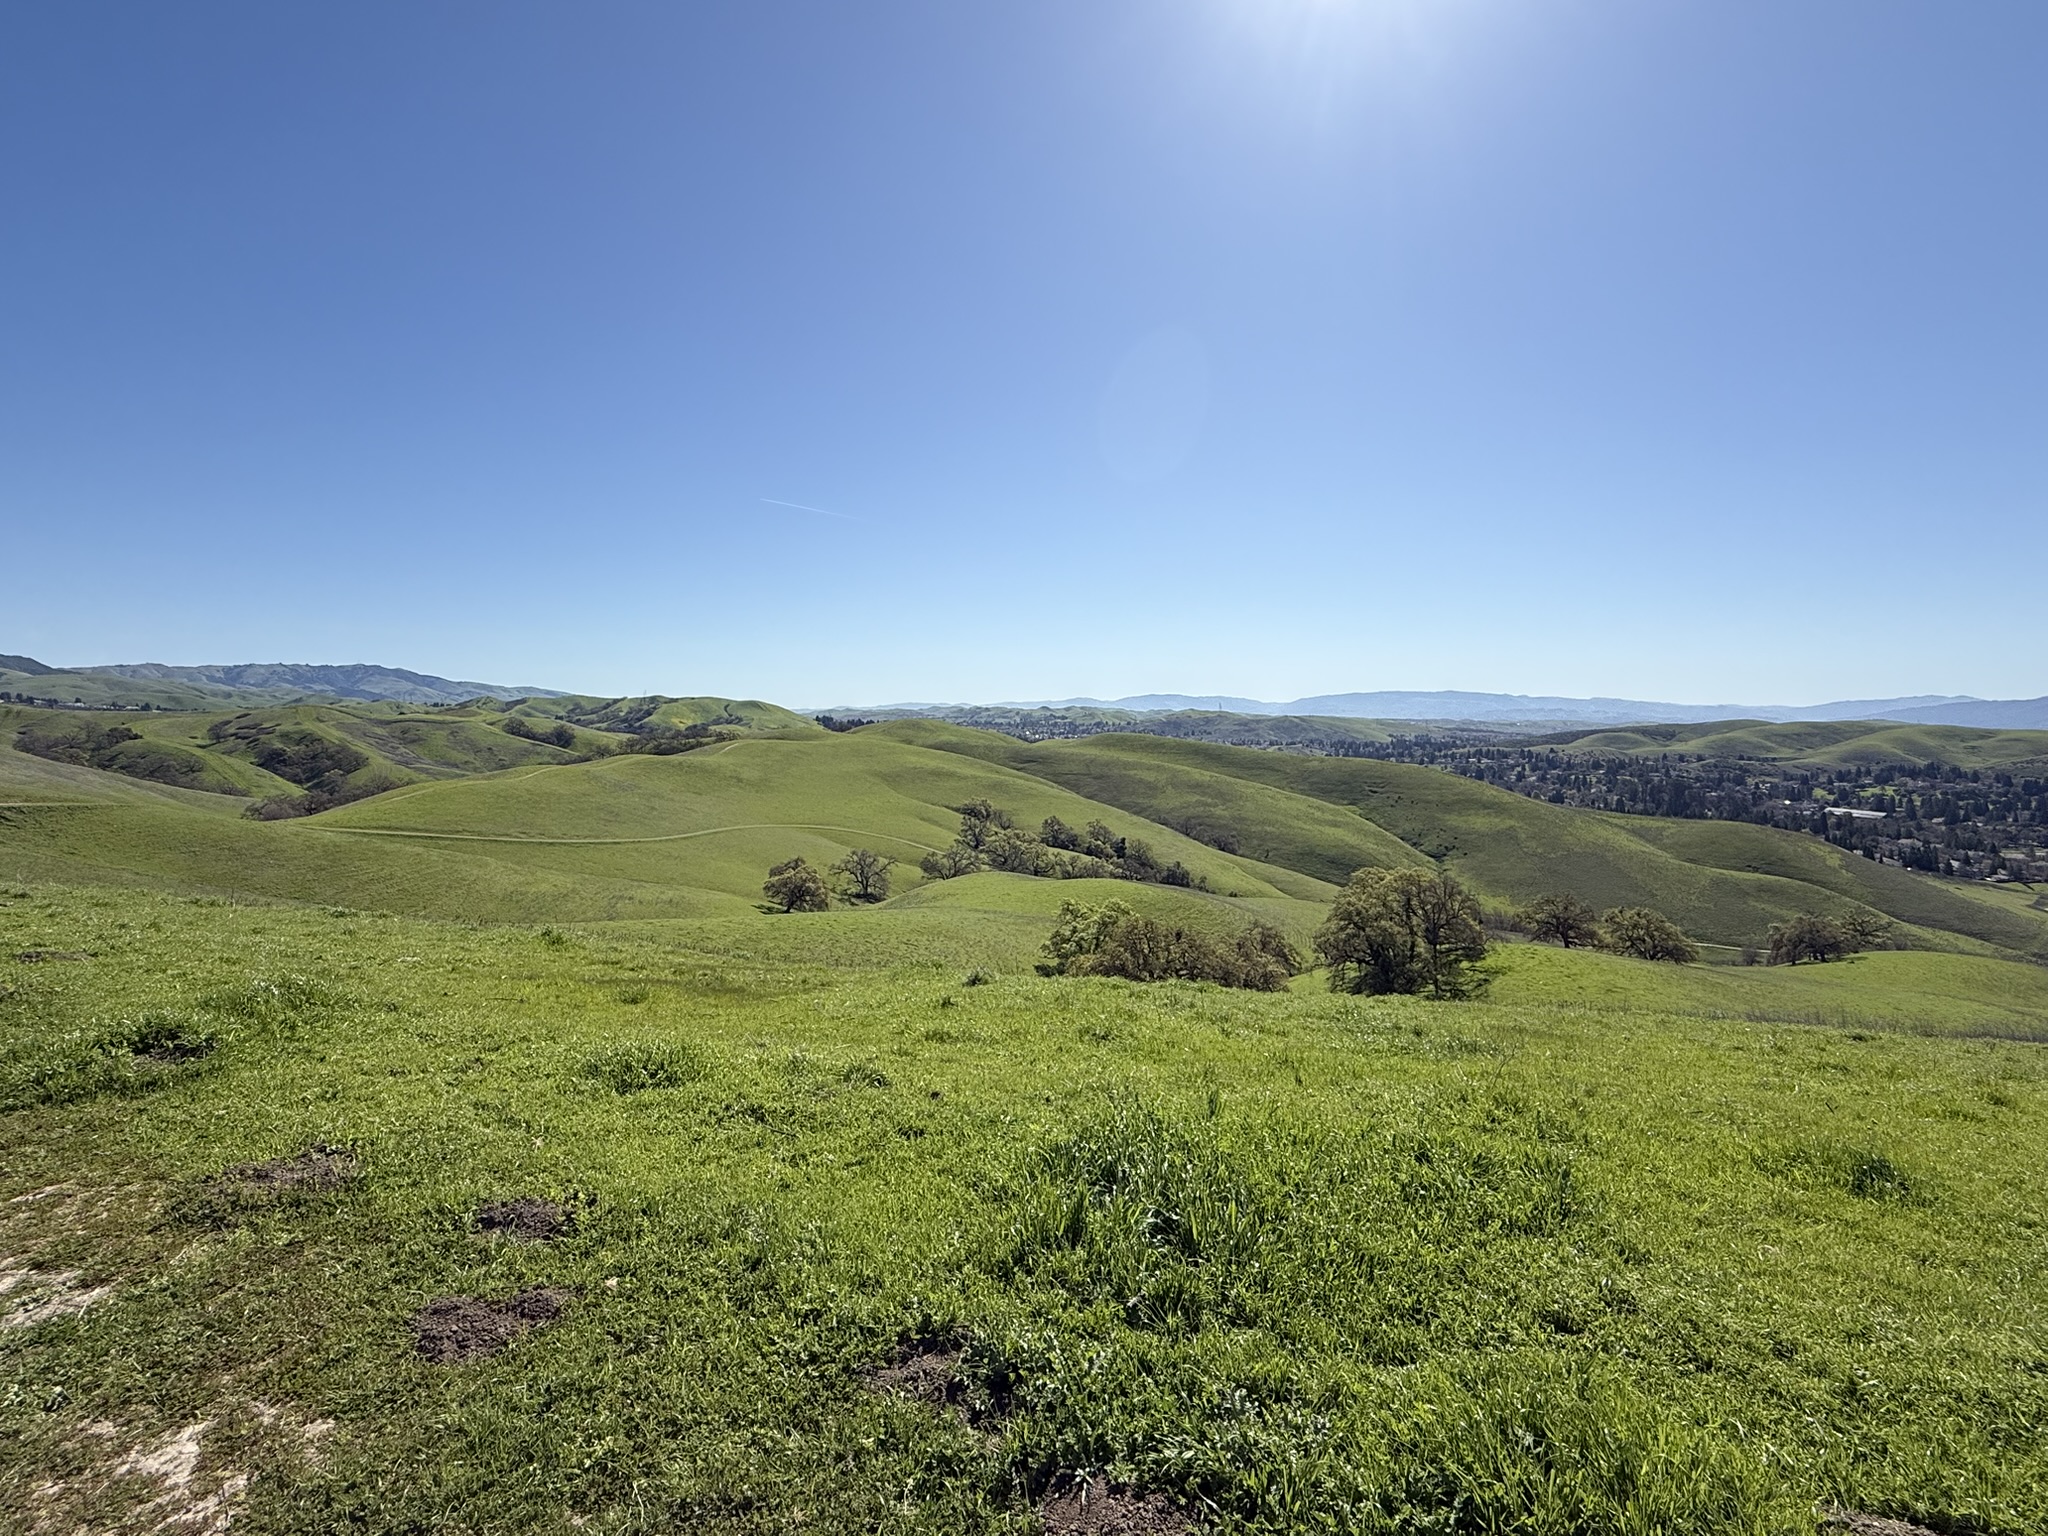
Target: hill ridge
{"x": 1548, "y": 710}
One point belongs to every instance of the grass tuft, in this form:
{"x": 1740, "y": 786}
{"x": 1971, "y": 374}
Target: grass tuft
{"x": 636, "y": 1066}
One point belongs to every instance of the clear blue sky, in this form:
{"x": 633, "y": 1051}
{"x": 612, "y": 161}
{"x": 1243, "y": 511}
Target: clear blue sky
{"x": 1682, "y": 350}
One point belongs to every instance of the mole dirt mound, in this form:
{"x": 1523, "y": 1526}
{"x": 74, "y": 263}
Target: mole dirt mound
{"x": 452, "y": 1330}
{"x": 528, "y": 1219}
{"x": 1091, "y": 1508}
{"x": 1856, "y": 1523}
{"x": 930, "y": 1371}
{"x": 927, "y": 1370}
{"x": 318, "y": 1167}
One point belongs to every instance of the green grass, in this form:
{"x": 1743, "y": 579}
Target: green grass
{"x": 1616, "y": 1248}
{"x": 1909, "y": 990}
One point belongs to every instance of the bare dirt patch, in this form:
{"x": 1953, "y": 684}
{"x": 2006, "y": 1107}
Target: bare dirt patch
{"x": 927, "y": 1370}
{"x": 932, "y": 1371}
{"x": 38, "y": 956}
{"x": 173, "y": 1053}
{"x": 453, "y": 1330}
{"x": 316, "y": 1168}
{"x": 170, "y": 1475}
{"x": 42, "y": 1295}
{"x": 1088, "y": 1507}
{"x": 1859, "y": 1524}
{"x": 527, "y": 1219}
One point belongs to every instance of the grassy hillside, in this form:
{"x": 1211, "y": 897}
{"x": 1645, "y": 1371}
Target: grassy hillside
{"x": 1271, "y": 824}
{"x": 642, "y": 835}
{"x": 728, "y": 811}
{"x": 1918, "y": 899}
{"x": 625, "y": 837}
{"x": 1913, "y": 991}
{"x": 1045, "y": 722}
{"x": 1824, "y": 744}
{"x": 745, "y": 715}
{"x": 1723, "y": 882}
{"x": 827, "y": 1240}
{"x": 256, "y": 752}
{"x": 277, "y": 751}
{"x": 102, "y": 689}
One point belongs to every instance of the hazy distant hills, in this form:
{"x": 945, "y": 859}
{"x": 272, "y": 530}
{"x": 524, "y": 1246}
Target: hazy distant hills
{"x": 272, "y": 682}
{"x": 1518, "y": 708}
{"x": 357, "y": 681}
{"x": 276, "y": 682}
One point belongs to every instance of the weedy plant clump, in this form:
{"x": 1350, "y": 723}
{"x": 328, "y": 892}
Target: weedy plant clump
{"x": 636, "y": 1066}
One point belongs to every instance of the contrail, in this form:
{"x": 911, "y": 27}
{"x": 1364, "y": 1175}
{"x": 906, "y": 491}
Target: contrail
{"x": 799, "y": 506}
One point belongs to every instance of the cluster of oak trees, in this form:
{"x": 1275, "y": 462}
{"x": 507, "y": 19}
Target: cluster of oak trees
{"x": 1648, "y": 935}
{"x": 796, "y": 886}
{"x": 990, "y": 839}
{"x": 1640, "y": 932}
{"x": 1810, "y": 936}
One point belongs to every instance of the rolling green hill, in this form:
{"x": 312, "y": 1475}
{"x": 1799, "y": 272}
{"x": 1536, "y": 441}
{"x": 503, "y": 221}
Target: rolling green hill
{"x": 1917, "y": 991}
{"x": 277, "y": 751}
{"x": 746, "y": 715}
{"x": 1724, "y": 882}
{"x": 1053, "y": 722}
{"x": 481, "y": 822}
{"x": 1823, "y": 744}
{"x": 100, "y": 688}
{"x": 623, "y": 837}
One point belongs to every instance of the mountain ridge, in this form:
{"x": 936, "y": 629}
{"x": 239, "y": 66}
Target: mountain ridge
{"x": 1450, "y": 706}
{"x": 366, "y": 681}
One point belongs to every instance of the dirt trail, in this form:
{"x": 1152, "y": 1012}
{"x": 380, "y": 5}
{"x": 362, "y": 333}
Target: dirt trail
{"x": 665, "y": 837}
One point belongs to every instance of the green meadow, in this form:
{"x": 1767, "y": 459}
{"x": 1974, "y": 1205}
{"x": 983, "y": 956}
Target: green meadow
{"x": 854, "y": 1222}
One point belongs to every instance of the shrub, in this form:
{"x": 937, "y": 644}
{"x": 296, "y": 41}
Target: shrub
{"x": 85, "y": 743}
{"x": 1809, "y": 936}
{"x": 559, "y": 734}
{"x": 980, "y": 821}
{"x": 1113, "y": 940}
{"x": 1647, "y": 935}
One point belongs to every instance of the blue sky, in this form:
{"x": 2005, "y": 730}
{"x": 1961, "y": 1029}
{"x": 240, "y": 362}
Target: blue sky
{"x": 1265, "y": 347}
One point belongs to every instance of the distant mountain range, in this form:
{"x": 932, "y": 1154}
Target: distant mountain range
{"x": 188, "y": 687}
{"x": 1546, "y": 710}
{"x": 270, "y": 681}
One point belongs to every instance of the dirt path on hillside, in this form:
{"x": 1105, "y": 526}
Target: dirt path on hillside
{"x": 666, "y": 837}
